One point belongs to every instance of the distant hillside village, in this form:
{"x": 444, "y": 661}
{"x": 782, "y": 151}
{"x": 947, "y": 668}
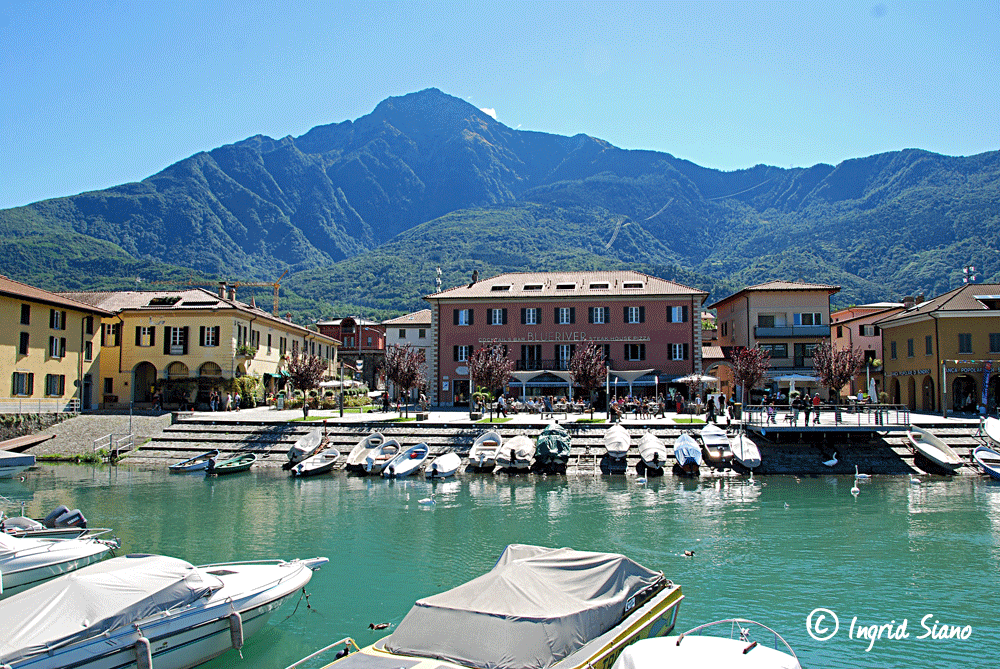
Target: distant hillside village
{"x": 87, "y": 351}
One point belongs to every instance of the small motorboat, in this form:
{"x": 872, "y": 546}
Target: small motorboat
{"x": 196, "y": 464}
{"x": 483, "y": 454}
{"x": 145, "y": 611}
{"x": 318, "y": 463}
{"x": 305, "y": 447}
{"x": 991, "y": 426}
{"x": 933, "y": 448}
{"x": 356, "y": 458}
{"x": 444, "y": 465}
{"x": 27, "y": 561}
{"x": 379, "y": 456}
{"x": 407, "y": 462}
{"x": 552, "y": 448}
{"x": 234, "y": 465}
{"x": 553, "y": 608}
{"x": 988, "y": 460}
{"x": 715, "y": 443}
{"x": 617, "y": 441}
{"x": 734, "y": 642}
{"x": 652, "y": 451}
{"x": 745, "y": 451}
{"x": 688, "y": 454}
{"x": 516, "y": 453}
{"x": 12, "y": 464}
{"x": 61, "y": 523}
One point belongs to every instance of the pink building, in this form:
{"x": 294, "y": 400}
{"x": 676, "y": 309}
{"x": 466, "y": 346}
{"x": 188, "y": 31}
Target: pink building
{"x": 643, "y": 323}
{"x": 854, "y": 328}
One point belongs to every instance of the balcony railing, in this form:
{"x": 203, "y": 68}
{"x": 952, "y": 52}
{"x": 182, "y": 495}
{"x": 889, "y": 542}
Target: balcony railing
{"x": 558, "y": 365}
{"x": 792, "y": 331}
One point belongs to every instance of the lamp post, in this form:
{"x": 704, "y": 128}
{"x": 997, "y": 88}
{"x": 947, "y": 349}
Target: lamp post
{"x": 342, "y": 388}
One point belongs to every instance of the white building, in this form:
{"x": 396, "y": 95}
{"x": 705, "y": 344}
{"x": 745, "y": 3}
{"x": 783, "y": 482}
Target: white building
{"x": 413, "y": 329}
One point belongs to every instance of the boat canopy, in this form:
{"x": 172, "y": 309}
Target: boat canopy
{"x": 96, "y": 599}
{"x": 553, "y": 443}
{"x": 535, "y": 607}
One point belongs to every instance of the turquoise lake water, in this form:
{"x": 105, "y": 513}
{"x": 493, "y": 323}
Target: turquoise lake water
{"x": 773, "y": 551}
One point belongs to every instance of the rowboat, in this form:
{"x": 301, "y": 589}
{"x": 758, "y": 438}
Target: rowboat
{"x": 145, "y": 611}
{"x": 933, "y": 448}
{"x": 617, "y": 441}
{"x": 444, "y": 465}
{"x": 540, "y": 608}
{"x": 734, "y": 642}
{"x": 745, "y": 451}
{"x": 319, "y": 463}
{"x": 716, "y": 444}
{"x": 305, "y": 447}
{"x": 406, "y": 462}
{"x": 196, "y": 464}
{"x": 356, "y": 458}
{"x": 12, "y": 464}
{"x": 652, "y": 451}
{"x": 516, "y": 453}
{"x": 483, "y": 454}
{"x": 379, "y": 456}
{"x": 688, "y": 454}
{"x": 988, "y": 460}
{"x": 238, "y": 463}
{"x": 27, "y": 561}
{"x": 992, "y": 428}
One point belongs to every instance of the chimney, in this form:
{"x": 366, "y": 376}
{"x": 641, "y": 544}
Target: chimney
{"x": 920, "y": 299}
{"x": 253, "y": 302}
{"x": 222, "y": 290}
{"x": 908, "y": 302}
{"x": 232, "y": 293}
{"x": 288, "y": 317}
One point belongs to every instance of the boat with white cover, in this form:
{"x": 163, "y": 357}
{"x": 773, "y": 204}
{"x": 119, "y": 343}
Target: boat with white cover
{"x": 408, "y": 461}
{"x": 617, "y": 441}
{"x": 745, "y": 451}
{"x": 483, "y": 453}
{"x": 652, "y": 451}
{"x": 26, "y": 562}
{"x": 305, "y": 447}
{"x": 991, "y": 426}
{"x": 145, "y": 611}
{"x": 716, "y": 444}
{"x": 734, "y": 642}
{"x": 933, "y": 448}
{"x": 539, "y": 608}
{"x": 444, "y": 465}
{"x": 688, "y": 454}
{"x": 516, "y": 453}
{"x": 356, "y": 458}
{"x": 379, "y": 457}
{"x": 12, "y": 464}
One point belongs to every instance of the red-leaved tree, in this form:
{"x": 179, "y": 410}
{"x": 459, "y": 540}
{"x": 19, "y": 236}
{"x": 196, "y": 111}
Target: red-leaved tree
{"x": 588, "y": 369}
{"x": 836, "y": 367}
{"x": 404, "y": 367}
{"x": 490, "y": 368}
{"x": 750, "y": 365}
{"x": 305, "y": 372}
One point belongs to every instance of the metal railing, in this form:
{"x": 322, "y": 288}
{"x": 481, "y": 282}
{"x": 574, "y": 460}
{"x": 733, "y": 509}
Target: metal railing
{"x": 39, "y": 405}
{"x": 762, "y": 332}
{"x": 115, "y": 443}
{"x": 872, "y": 416}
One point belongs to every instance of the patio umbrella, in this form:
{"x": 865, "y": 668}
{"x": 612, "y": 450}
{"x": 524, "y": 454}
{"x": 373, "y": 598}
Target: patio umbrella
{"x": 872, "y": 390}
{"x": 792, "y": 378}
{"x": 697, "y": 378}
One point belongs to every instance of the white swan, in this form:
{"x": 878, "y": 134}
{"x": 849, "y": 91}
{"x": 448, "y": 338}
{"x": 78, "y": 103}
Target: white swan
{"x": 914, "y": 480}
{"x": 427, "y": 501}
{"x": 860, "y": 476}
{"x": 832, "y": 462}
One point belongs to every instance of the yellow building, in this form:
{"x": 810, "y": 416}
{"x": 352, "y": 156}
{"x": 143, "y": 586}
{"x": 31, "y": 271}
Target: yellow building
{"x": 787, "y": 318}
{"x": 188, "y": 343}
{"x": 941, "y": 354}
{"x": 50, "y": 350}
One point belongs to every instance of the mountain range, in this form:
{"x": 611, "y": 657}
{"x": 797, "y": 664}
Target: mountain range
{"x": 362, "y": 213}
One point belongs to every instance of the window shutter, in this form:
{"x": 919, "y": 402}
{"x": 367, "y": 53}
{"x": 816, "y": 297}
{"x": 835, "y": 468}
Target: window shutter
{"x": 455, "y": 354}
{"x": 166, "y": 338}
{"x": 524, "y": 316}
{"x": 102, "y": 335}
{"x": 670, "y": 314}
{"x": 555, "y": 316}
{"x": 684, "y": 314}
{"x": 62, "y": 384}
{"x": 624, "y": 314}
{"x": 201, "y": 335}
{"x": 13, "y": 384}
{"x": 184, "y": 339}
{"x": 31, "y": 383}
{"x": 454, "y": 313}
{"x": 607, "y": 315}
{"x": 472, "y": 316}
{"x": 138, "y": 335}
{"x": 505, "y": 317}
{"x": 52, "y": 318}
{"x": 218, "y": 333}
{"x": 642, "y": 314}
{"x": 590, "y": 314}
{"x": 63, "y": 321}
{"x": 686, "y": 352}
{"x": 572, "y": 315}
{"x": 62, "y": 347}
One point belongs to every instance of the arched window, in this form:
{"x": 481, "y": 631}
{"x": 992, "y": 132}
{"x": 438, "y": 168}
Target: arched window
{"x": 210, "y": 369}
{"x": 177, "y": 370}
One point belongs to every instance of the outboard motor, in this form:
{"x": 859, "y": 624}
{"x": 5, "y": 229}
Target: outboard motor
{"x": 72, "y": 518}
{"x": 50, "y": 520}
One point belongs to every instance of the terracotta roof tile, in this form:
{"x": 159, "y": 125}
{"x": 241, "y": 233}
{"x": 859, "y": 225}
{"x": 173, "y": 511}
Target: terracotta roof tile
{"x": 22, "y": 290}
{"x": 567, "y": 284}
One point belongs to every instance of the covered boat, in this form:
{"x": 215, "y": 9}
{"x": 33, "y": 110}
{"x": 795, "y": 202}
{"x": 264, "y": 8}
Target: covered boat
{"x": 688, "y": 454}
{"x": 27, "y": 561}
{"x": 483, "y": 454}
{"x": 537, "y": 608}
{"x": 552, "y": 448}
{"x": 617, "y": 441}
{"x": 356, "y": 458}
{"x": 304, "y": 448}
{"x": 406, "y": 462}
{"x": 652, "y": 451}
{"x": 443, "y": 466}
{"x": 144, "y": 610}
{"x": 516, "y": 453}
{"x": 745, "y": 451}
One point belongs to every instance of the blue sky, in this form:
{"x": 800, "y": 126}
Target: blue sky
{"x": 95, "y": 94}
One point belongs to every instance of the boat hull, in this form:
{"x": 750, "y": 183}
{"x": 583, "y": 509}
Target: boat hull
{"x": 988, "y": 461}
{"x": 356, "y": 458}
{"x": 932, "y": 448}
{"x": 19, "y": 579}
{"x": 408, "y": 462}
{"x": 196, "y": 464}
{"x": 320, "y": 463}
{"x": 745, "y": 452}
{"x": 443, "y": 466}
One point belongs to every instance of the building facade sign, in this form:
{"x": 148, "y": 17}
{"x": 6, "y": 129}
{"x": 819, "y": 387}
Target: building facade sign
{"x": 910, "y": 372}
{"x": 538, "y": 337}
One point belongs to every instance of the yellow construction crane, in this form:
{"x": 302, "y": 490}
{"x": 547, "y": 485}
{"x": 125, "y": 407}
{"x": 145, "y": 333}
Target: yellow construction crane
{"x": 235, "y": 284}
{"x": 274, "y": 284}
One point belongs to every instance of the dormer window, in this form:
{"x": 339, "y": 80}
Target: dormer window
{"x": 565, "y": 286}
{"x": 632, "y": 284}
{"x": 500, "y": 287}
{"x": 600, "y": 286}
{"x": 532, "y": 286}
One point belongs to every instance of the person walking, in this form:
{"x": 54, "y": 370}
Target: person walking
{"x": 816, "y": 402}
{"x": 710, "y": 411}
